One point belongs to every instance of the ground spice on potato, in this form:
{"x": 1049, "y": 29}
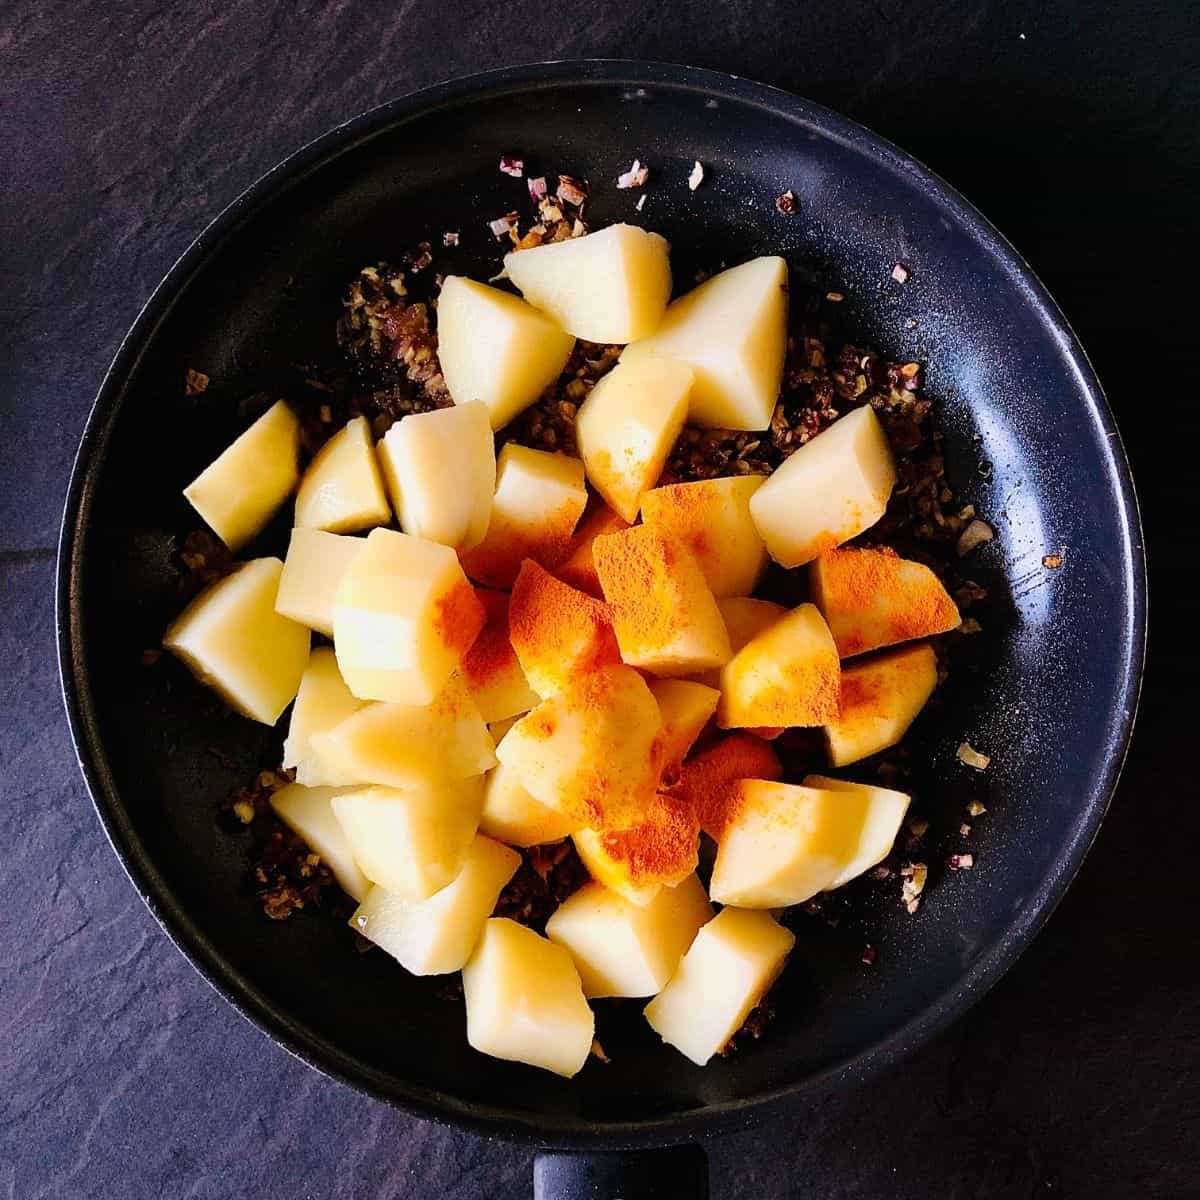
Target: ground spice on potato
{"x": 458, "y": 616}
{"x": 706, "y": 780}
{"x": 491, "y": 655}
{"x": 579, "y": 569}
{"x": 663, "y": 848}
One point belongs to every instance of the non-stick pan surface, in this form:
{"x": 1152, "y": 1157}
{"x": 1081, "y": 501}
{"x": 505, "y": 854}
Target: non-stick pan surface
{"x": 1049, "y": 693}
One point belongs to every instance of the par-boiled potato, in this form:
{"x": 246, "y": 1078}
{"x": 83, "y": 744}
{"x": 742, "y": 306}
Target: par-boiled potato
{"x": 579, "y": 568}
{"x": 323, "y": 702}
{"x": 312, "y": 574}
{"x": 308, "y": 812}
{"x": 513, "y": 816}
{"x": 885, "y": 812}
{"x": 491, "y": 669}
{"x": 342, "y": 490}
{"x": 685, "y": 708}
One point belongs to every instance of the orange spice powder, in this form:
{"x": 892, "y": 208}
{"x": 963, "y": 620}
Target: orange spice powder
{"x": 498, "y": 558}
{"x": 664, "y": 848}
{"x": 579, "y": 568}
{"x": 706, "y": 783}
{"x": 458, "y": 617}
{"x": 491, "y": 655}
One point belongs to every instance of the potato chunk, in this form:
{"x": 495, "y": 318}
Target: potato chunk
{"x": 491, "y": 669}
{"x": 312, "y": 574}
{"x": 788, "y": 675}
{"x": 403, "y": 619}
{"x": 408, "y": 746}
{"x": 438, "y": 934}
{"x": 308, "y": 813}
{"x": 233, "y": 640}
{"x": 513, "y": 816}
{"x": 732, "y": 331}
{"x": 611, "y": 286}
{"x": 711, "y": 517}
{"x": 627, "y": 426}
{"x": 874, "y": 598}
{"x": 620, "y": 949}
{"x": 323, "y": 702}
{"x": 731, "y": 965}
{"x": 539, "y": 500}
{"x": 745, "y": 618}
{"x": 240, "y": 491}
{"x": 666, "y": 619}
{"x": 782, "y": 843}
{"x": 707, "y": 783}
{"x": 342, "y": 490}
{"x": 440, "y": 470}
{"x": 413, "y": 842}
{"x": 828, "y": 491}
{"x": 880, "y": 699}
{"x": 495, "y": 347}
{"x": 592, "y": 751}
{"x": 524, "y": 1000}
{"x": 685, "y": 708}
{"x": 579, "y": 569}
{"x": 557, "y": 632}
{"x": 885, "y": 812}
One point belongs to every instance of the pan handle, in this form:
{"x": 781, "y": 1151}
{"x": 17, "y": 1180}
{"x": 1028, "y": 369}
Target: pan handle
{"x": 672, "y": 1173}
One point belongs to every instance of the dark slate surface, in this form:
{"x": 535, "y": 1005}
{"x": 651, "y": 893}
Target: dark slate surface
{"x": 126, "y": 127}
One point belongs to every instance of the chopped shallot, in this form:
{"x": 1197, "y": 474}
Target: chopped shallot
{"x": 975, "y": 534}
{"x": 969, "y": 756}
{"x": 636, "y": 176}
{"x": 696, "y": 178}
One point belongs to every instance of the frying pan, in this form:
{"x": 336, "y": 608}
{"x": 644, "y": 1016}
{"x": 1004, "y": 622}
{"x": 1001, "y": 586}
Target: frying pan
{"x": 1049, "y": 689}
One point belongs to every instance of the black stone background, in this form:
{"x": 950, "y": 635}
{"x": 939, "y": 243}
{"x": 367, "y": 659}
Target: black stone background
{"x": 125, "y": 127}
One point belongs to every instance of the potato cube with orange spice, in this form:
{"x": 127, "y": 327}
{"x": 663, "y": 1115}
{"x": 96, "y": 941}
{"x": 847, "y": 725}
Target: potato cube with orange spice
{"x": 403, "y": 618}
{"x": 707, "y": 782}
{"x": 491, "y": 669}
{"x": 788, "y": 675}
{"x": 665, "y": 616}
{"x": 557, "y": 632}
{"x": 873, "y": 597}
{"x": 579, "y": 570}
{"x": 593, "y": 750}
{"x": 685, "y": 707}
{"x": 538, "y": 502}
{"x": 885, "y": 812}
{"x": 745, "y": 617}
{"x": 513, "y": 816}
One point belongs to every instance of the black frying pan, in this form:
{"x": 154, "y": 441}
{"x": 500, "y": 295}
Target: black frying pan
{"x": 1050, "y": 691}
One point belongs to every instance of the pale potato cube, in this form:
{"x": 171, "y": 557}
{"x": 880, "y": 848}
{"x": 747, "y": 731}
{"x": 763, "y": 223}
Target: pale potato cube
{"x": 708, "y": 782}
{"x": 513, "y": 816}
{"x": 538, "y": 502}
{"x": 783, "y": 843}
{"x": 496, "y": 348}
{"x": 730, "y": 967}
{"x": 437, "y": 935}
{"x": 579, "y": 569}
{"x": 873, "y": 598}
{"x": 312, "y": 574}
{"x": 440, "y": 470}
{"x": 407, "y": 746}
{"x": 412, "y": 842}
{"x": 323, "y": 702}
{"x": 880, "y": 699}
{"x": 557, "y": 632}
{"x": 241, "y": 490}
{"x": 685, "y": 708}
{"x": 828, "y": 491}
{"x": 745, "y": 618}
{"x": 491, "y": 669}
{"x": 403, "y": 619}
{"x": 627, "y": 426}
{"x": 620, "y": 949}
{"x": 885, "y": 812}
{"x": 787, "y": 675}
{"x": 308, "y": 813}
{"x": 611, "y": 286}
{"x": 664, "y": 613}
{"x": 233, "y": 640}
{"x": 592, "y": 751}
{"x": 732, "y": 331}
{"x": 524, "y": 1000}
{"x": 659, "y": 850}
{"x": 342, "y": 490}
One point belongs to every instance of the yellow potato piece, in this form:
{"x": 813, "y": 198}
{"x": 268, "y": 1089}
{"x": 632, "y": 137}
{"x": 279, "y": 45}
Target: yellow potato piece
{"x": 342, "y": 490}
{"x": 239, "y": 492}
{"x": 685, "y": 708}
{"x": 403, "y": 618}
{"x": 579, "y": 569}
{"x": 323, "y": 702}
{"x": 880, "y": 699}
{"x": 664, "y": 613}
{"x": 233, "y": 640}
{"x": 828, "y": 491}
{"x": 783, "y": 843}
{"x": 407, "y": 746}
{"x": 413, "y": 842}
{"x": 627, "y": 426}
{"x": 732, "y": 331}
{"x": 885, "y": 812}
{"x": 872, "y": 598}
{"x": 732, "y": 963}
{"x": 440, "y": 470}
{"x": 308, "y": 813}
{"x": 538, "y": 502}
{"x": 611, "y": 286}
{"x": 745, "y": 618}
{"x": 491, "y": 669}
{"x": 620, "y": 949}
{"x": 711, "y": 517}
{"x": 496, "y": 348}
{"x": 312, "y": 573}
{"x": 438, "y": 934}
{"x": 513, "y": 816}
{"x": 525, "y": 1002}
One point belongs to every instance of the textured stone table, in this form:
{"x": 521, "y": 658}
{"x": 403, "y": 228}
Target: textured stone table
{"x": 127, "y": 126}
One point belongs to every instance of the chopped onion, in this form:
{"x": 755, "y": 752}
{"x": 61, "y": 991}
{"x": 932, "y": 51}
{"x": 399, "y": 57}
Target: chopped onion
{"x": 975, "y": 534}
{"x": 696, "y": 178}
{"x": 900, "y": 273}
{"x": 636, "y": 176}
{"x": 510, "y": 164}
{"x": 537, "y": 187}
{"x": 969, "y": 756}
